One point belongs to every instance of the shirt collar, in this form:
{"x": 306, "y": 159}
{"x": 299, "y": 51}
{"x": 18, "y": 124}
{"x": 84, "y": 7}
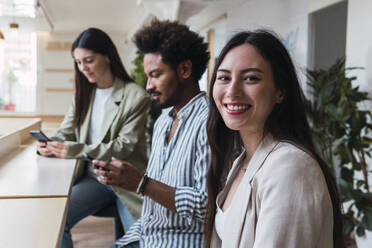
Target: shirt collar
{"x": 185, "y": 110}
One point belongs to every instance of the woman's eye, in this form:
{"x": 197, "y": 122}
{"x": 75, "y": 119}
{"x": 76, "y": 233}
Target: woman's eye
{"x": 223, "y": 78}
{"x": 251, "y": 78}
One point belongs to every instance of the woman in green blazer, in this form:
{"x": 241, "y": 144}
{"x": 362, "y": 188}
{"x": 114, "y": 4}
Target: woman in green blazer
{"x": 106, "y": 119}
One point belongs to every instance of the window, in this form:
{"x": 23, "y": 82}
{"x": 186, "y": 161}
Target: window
{"x": 18, "y": 72}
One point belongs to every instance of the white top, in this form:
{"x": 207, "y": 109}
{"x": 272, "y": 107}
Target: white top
{"x": 219, "y": 221}
{"x": 98, "y": 110}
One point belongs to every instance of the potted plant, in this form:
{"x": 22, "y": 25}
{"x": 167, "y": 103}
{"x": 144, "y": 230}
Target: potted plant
{"x": 139, "y": 76}
{"x": 11, "y": 79}
{"x": 341, "y": 130}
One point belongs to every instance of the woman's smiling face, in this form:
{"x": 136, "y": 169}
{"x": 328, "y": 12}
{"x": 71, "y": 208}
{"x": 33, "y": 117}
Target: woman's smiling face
{"x": 244, "y": 90}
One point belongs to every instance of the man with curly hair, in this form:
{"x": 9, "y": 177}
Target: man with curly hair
{"x": 174, "y": 186}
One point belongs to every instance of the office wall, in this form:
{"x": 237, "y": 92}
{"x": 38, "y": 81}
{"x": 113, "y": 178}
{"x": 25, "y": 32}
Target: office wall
{"x": 315, "y": 5}
{"x": 359, "y": 41}
{"x": 288, "y": 18}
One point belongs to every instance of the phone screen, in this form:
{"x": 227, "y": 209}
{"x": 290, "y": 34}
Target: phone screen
{"x": 39, "y": 135}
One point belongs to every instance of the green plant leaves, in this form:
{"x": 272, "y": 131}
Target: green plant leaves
{"x": 138, "y": 72}
{"x": 340, "y": 132}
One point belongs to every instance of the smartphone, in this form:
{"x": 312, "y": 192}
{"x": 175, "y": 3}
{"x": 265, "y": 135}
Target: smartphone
{"x": 90, "y": 159}
{"x": 39, "y": 135}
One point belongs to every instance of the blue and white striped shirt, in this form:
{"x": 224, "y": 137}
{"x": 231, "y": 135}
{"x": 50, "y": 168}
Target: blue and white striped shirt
{"x": 183, "y": 163}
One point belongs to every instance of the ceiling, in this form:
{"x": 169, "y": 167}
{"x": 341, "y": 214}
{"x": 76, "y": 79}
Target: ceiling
{"x": 75, "y": 15}
{"x": 115, "y": 16}
{"x": 111, "y": 15}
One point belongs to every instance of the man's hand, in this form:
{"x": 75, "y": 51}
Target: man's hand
{"x": 58, "y": 149}
{"x": 43, "y": 149}
{"x": 117, "y": 173}
{"x": 122, "y": 174}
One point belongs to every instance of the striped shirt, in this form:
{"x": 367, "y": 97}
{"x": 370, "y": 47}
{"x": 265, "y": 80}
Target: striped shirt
{"x": 183, "y": 163}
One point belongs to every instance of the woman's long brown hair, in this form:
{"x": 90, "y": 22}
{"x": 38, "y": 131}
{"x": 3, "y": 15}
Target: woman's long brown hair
{"x": 286, "y": 122}
{"x": 99, "y": 42}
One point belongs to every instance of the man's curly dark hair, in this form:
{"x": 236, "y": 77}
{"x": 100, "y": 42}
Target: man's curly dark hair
{"x": 175, "y": 43}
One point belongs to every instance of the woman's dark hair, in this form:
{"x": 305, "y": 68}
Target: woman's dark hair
{"x": 99, "y": 42}
{"x": 176, "y": 43}
{"x": 287, "y": 121}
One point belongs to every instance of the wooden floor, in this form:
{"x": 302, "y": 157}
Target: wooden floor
{"x": 92, "y": 232}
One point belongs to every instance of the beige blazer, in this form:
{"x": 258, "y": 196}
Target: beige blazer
{"x": 122, "y": 135}
{"x": 282, "y": 201}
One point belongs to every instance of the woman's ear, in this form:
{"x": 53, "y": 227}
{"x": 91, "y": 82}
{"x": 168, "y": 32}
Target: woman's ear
{"x": 107, "y": 59}
{"x": 280, "y": 96}
{"x": 184, "y": 69}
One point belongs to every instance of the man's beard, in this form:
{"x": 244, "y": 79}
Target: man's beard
{"x": 172, "y": 100}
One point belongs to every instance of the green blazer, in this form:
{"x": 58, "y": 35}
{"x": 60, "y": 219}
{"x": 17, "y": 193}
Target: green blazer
{"x": 122, "y": 135}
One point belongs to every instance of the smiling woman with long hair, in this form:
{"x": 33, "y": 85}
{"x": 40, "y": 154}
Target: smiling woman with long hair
{"x": 267, "y": 186}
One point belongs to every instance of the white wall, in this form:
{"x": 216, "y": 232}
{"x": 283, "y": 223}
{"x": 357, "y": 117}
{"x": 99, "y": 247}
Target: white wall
{"x": 53, "y": 103}
{"x": 315, "y": 5}
{"x": 288, "y": 18}
{"x": 359, "y": 41}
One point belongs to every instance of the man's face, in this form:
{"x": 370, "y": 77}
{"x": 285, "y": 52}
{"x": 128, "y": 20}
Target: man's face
{"x": 163, "y": 83}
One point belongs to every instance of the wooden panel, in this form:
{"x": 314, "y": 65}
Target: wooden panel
{"x": 23, "y": 173}
{"x": 20, "y": 126}
{"x": 211, "y": 40}
{"x": 7, "y": 144}
{"x": 44, "y": 118}
{"x": 59, "y": 90}
{"x": 58, "y": 46}
{"x": 52, "y": 118}
{"x": 34, "y": 223}
{"x": 58, "y": 70}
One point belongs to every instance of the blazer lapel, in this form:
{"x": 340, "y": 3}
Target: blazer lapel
{"x": 238, "y": 209}
{"x": 112, "y": 107}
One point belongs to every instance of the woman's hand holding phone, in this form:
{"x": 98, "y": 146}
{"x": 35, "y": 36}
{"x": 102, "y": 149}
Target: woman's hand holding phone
{"x": 42, "y": 148}
{"x": 59, "y": 149}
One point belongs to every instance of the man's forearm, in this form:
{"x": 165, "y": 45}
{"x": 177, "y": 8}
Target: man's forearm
{"x": 161, "y": 193}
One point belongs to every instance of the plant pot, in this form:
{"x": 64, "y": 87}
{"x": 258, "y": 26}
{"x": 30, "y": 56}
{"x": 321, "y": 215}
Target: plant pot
{"x": 10, "y": 107}
{"x": 350, "y": 241}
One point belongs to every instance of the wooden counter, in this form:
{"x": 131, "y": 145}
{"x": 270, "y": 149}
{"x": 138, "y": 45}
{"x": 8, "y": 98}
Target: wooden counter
{"x": 32, "y": 222}
{"x": 23, "y": 173}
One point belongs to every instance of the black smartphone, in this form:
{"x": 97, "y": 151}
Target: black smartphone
{"x": 90, "y": 159}
{"x": 39, "y": 135}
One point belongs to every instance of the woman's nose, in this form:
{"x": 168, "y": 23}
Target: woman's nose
{"x": 234, "y": 88}
{"x": 83, "y": 67}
